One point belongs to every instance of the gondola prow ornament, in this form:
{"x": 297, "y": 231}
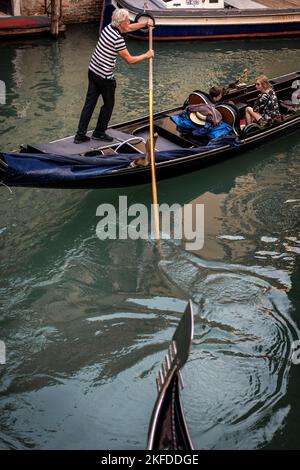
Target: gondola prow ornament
{"x": 168, "y": 429}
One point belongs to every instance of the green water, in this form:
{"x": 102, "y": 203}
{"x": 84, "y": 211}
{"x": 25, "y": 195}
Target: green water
{"x": 87, "y": 323}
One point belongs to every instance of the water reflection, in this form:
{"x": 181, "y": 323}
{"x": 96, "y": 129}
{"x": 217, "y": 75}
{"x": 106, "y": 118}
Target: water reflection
{"x": 91, "y": 320}
{"x": 254, "y": 219}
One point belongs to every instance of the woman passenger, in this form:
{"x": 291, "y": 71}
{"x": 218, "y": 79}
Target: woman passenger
{"x": 265, "y": 109}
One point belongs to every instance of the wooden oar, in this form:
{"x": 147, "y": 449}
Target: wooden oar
{"x": 151, "y": 128}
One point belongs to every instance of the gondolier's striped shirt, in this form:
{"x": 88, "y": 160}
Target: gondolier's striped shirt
{"x": 104, "y": 58}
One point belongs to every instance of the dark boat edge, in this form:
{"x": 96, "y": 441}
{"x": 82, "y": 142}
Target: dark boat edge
{"x": 169, "y": 12}
{"x": 168, "y": 428}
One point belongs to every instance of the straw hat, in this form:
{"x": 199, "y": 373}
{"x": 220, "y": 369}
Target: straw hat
{"x": 198, "y": 118}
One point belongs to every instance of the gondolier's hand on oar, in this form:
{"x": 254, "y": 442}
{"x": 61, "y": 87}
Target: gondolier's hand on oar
{"x": 149, "y": 23}
{"x": 150, "y": 54}
{"x": 146, "y": 24}
{"x": 144, "y": 21}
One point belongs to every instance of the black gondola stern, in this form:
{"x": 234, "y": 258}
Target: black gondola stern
{"x": 168, "y": 428}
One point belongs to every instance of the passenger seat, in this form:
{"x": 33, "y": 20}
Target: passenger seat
{"x": 230, "y": 115}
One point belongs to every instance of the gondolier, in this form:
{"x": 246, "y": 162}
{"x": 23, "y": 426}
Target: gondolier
{"x": 101, "y": 74}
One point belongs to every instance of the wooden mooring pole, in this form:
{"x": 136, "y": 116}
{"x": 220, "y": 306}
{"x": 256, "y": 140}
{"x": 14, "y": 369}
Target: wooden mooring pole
{"x": 55, "y": 16}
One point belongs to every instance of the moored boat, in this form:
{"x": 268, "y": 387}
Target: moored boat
{"x": 25, "y": 25}
{"x": 212, "y": 19}
{"x": 98, "y": 164}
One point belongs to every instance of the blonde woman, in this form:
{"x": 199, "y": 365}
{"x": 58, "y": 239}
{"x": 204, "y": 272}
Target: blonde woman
{"x": 265, "y": 109}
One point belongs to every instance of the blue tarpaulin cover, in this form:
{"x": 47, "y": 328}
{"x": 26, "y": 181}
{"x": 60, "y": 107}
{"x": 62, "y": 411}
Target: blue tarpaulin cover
{"x": 184, "y": 123}
{"x": 38, "y": 169}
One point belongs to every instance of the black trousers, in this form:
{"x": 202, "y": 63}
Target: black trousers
{"x": 97, "y": 86}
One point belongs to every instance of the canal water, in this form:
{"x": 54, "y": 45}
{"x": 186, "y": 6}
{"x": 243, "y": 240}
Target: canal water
{"x": 86, "y": 323}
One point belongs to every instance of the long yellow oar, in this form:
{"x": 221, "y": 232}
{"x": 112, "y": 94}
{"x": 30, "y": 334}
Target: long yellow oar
{"x": 151, "y": 128}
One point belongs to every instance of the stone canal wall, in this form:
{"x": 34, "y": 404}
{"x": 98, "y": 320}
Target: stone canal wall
{"x": 73, "y": 11}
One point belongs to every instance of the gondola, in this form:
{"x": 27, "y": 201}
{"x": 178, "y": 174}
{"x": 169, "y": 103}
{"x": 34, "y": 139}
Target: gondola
{"x": 168, "y": 428}
{"x": 122, "y": 163}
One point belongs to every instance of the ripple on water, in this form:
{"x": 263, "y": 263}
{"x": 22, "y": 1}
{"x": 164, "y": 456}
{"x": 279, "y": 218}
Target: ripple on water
{"x": 238, "y": 370}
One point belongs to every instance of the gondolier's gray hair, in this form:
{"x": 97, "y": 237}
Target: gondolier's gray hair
{"x": 119, "y": 16}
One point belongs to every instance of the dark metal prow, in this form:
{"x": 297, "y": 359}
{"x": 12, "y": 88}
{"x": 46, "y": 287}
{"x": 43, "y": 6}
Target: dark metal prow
{"x": 168, "y": 429}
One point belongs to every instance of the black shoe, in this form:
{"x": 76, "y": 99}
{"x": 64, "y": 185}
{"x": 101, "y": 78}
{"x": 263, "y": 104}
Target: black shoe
{"x": 102, "y": 136}
{"x": 79, "y": 139}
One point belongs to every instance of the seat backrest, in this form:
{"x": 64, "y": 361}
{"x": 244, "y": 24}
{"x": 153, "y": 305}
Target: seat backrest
{"x": 240, "y": 107}
{"x": 230, "y": 115}
{"x": 199, "y": 97}
{"x": 250, "y": 129}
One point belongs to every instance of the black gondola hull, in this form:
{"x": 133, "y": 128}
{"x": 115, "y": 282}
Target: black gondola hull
{"x": 164, "y": 169}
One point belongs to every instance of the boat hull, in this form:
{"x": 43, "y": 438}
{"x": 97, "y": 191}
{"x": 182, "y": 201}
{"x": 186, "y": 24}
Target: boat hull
{"x": 227, "y": 31}
{"x": 199, "y": 24}
{"x": 24, "y": 25}
{"x": 63, "y": 164}
{"x": 166, "y": 170}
